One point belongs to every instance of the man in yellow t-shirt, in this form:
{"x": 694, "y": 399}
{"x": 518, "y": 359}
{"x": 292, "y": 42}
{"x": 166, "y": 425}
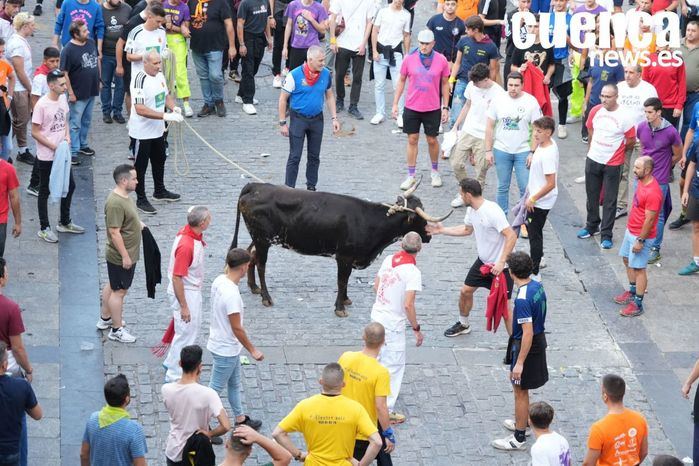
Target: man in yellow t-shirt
{"x": 329, "y": 423}
{"x": 368, "y": 382}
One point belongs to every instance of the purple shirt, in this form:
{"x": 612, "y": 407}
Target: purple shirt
{"x": 595, "y": 11}
{"x": 303, "y": 34}
{"x": 658, "y": 146}
{"x": 177, "y": 13}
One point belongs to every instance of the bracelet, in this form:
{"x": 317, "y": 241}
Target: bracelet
{"x": 532, "y": 199}
{"x": 445, "y": 107}
{"x": 333, "y": 40}
{"x": 452, "y": 80}
{"x": 416, "y": 329}
{"x": 29, "y": 372}
{"x": 334, "y": 118}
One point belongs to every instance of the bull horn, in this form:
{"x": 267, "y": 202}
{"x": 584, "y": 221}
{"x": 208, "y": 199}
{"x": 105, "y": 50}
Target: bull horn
{"x": 428, "y": 218}
{"x": 409, "y": 192}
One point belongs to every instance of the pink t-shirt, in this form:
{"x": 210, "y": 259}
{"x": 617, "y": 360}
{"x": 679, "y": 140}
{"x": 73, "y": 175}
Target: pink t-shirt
{"x": 424, "y": 84}
{"x": 52, "y": 116}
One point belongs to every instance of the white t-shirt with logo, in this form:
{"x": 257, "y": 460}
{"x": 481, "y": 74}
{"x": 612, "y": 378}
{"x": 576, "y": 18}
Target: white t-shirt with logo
{"x": 225, "y": 300}
{"x": 488, "y": 222}
{"x": 544, "y": 162}
{"x": 392, "y": 24}
{"x": 356, "y": 13}
{"x": 611, "y": 129}
{"x": 632, "y": 98}
{"x": 18, "y": 46}
{"x": 512, "y": 120}
{"x": 551, "y": 449}
{"x": 141, "y": 41}
{"x": 480, "y": 99}
{"x": 150, "y": 91}
{"x": 389, "y": 307}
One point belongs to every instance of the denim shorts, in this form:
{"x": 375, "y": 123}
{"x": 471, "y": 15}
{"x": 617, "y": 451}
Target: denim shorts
{"x": 637, "y": 260}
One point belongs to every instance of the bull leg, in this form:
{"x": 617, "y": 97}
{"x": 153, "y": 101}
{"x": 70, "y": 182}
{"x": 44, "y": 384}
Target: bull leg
{"x": 344, "y": 270}
{"x": 261, "y": 255}
{"x": 251, "y": 270}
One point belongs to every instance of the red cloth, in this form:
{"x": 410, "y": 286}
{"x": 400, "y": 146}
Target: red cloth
{"x": 534, "y": 85}
{"x": 8, "y": 182}
{"x": 647, "y": 197}
{"x": 496, "y": 305}
{"x": 310, "y": 75}
{"x": 402, "y": 258}
{"x": 184, "y": 253}
{"x": 43, "y": 69}
{"x": 669, "y": 81}
{"x": 11, "y": 323}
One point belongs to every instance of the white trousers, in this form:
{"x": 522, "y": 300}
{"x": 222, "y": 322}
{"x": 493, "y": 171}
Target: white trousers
{"x": 186, "y": 333}
{"x": 12, "y": 366}
{"x": 392, "y": 357}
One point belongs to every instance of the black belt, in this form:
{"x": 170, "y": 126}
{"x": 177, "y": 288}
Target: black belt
{"x": 314, "y": 117}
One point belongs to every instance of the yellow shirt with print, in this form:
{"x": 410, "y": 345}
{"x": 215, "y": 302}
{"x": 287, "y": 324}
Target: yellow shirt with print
{"x": 329, "y": 424}
{"x": 365, "y": 379}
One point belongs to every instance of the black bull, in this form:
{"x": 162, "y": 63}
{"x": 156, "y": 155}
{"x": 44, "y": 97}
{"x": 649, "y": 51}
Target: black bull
{"x": 352, "y": 230}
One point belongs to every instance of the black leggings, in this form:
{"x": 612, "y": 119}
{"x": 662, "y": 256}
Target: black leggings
{"x": 563, "y": 91}
{"x": 535, "y": 228}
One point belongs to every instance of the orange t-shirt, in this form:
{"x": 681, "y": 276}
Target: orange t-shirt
{"x": 618, "y": 437}
{"x": 5, "y": 71}
{"x": 465, "y": 8}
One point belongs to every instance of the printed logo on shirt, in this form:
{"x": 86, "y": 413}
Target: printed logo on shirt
{"x": 160, "y": 100}
{"x": 524, "y": 320}
{"x": 302, "y": 26}
{"x": 58, "y": 125}
{"x": 89, "y": 60}
{"x": 152, "y": 47}
{"x": 511, "y": 124}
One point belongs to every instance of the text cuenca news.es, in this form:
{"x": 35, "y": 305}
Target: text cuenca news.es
{"x": 625, "y": 38}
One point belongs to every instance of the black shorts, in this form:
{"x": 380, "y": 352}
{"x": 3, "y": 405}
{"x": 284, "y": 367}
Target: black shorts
{"x": 535, "y": 372}
{"x": 119, "y": 277}
{"x": 478, "y": 280}
{"x": 692, "y": 208}
{"x": 430, "y": 121}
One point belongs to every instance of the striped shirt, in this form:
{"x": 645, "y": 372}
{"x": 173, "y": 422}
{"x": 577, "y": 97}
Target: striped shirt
{"x": 117, "y": 444}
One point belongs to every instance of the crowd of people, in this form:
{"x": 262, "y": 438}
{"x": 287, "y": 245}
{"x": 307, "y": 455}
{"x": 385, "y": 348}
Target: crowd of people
{"x": 133, "y": 56}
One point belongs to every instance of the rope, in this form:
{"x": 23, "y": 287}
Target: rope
{"x": 179, "y": 154}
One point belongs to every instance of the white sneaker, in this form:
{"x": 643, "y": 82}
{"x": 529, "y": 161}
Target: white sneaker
{"x": 121, "y": 336}
{"x": 249, "y": 109}
{"x": 573, "y": 119}
{"x": 509, "y": 443}
{"x": 188, "y": 112}
{"x": 441, "y": 129}
{"x": 378, "y": 118}
{"x": 48, "y": 235}
{"x": 457, "y": 202}
{"x": 407, "y": 183}
{"x": 239, "y": 100}
{"x": 106, "y": 324}
{"x": 509, "y": 424}
{"x": 562, "y": 132}
{"x": 580, "y": 179}
{"x": 399, "y": 121}
{"x": 436, "y": 179}
{"x": 277, "y": 81}
{"x": 542, "y": 263}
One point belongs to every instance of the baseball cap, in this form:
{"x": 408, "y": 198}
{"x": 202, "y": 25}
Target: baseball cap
{"x": 425, "y": 36}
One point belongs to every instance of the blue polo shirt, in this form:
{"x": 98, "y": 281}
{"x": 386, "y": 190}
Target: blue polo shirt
{"x": 304, "y": 99}
{"x": 530, "y": 307}
{"x": 117, "y": 444}
{"x": 16, "y": 397}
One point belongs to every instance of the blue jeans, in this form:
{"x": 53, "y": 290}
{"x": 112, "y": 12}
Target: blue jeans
{"x": 208, "y": 66}
{"x": 458, "y": 100}
{"x": 6, "y": 146}
{"x": 111, "y": 105}
{"x": 692, "y": 98}
{"x": 665, "y": 188}
{"x": 80, "y": 120}
{"x": 380, "y": 68}
{"x": 504, "y": 163}
{"x": 226, "y": 372}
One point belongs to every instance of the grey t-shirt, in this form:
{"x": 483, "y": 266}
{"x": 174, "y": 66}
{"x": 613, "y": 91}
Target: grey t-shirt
{"x": 114, "y": 21}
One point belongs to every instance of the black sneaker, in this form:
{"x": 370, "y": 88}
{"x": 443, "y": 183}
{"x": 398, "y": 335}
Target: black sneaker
{"x": 107, "y": 119}
{"x": 119, "y": 118}
{"x": 144, "y": 206}
{"x": 33, "y": 191}
{"x": 339, "y": 106}
{"x": 310, "y": 188}
{"x": 234, "y": 76}
{"x": 37, "y": 10}
{"x": 166, "y": 196}
{"x": 679, "y": 223}
{"x": 74, "y": 160}
{"x": 354, "y": 111}
{"x": 86, "y": 151}
{"x": 585, "y": 139}
{"x": 205, "y": 111}
{"x": 10, "y": 161}
{"x": 457, "y": 329}
{"x": 26, "y": 157}
{"x": 254, "y": 423}
{"x": 220, "y": 108}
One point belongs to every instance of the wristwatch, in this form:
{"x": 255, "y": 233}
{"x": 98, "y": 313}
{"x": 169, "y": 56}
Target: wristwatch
{"x": 641, "y": 240}
{"x": 282, "y": 122}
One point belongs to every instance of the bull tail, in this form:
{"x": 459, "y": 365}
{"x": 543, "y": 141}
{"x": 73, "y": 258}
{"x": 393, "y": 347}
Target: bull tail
{"x": 234, "y": 244}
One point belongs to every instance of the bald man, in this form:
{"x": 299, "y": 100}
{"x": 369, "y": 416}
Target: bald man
{"x": 368, "y": 382}
{"x": 329, "y": 423}
{"x": 395, "y": 285}
{"x": 641, "y": 230}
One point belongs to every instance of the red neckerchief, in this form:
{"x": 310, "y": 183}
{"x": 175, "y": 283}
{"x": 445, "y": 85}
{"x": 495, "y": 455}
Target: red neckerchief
{"x": 43, "y": 69}
{"x": 310, "y": 75}
{"x": 4, "y": 16}
{"x": 402, "y": 258}
{"x": 187, "y": 231}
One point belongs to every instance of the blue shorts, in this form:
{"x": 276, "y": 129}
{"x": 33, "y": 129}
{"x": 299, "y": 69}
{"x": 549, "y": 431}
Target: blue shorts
{"x": 637, "y": 260}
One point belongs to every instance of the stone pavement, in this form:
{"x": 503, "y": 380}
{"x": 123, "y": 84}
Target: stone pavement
{"x": 455, "y": 391}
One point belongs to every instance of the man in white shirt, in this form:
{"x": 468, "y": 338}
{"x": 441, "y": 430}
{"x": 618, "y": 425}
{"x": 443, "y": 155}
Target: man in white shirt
{"x": 19, "y": 53}
{"x": 227, "y": 337}
{"x": 350, "y": 46}
{"x": 186, "y": 272}
{"x": 390, "y": 41}
{"x": 550, "y": 448}
{"x": 508, "y": 140}
{"x": 190, "y": 406}
{"x": 396, "y": 284}
{"x": 9, "y": 9}
{"x": 480, "y": 91}
{"x": 495, "y": 240}
{"x": 146, "y": 37}
{"x": 632, "y": 93}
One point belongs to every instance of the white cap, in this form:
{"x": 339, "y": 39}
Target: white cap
{"x": 425, "y": 36}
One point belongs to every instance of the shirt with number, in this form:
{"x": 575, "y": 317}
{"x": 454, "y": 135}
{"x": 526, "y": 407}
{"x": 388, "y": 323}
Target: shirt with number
{"x": 150, "y": 91}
